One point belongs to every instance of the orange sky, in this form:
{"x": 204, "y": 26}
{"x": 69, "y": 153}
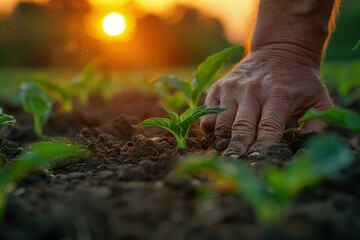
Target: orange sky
{"x": 233, "y": 14}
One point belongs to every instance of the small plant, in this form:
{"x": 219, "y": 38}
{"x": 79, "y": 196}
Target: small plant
{"x": 193, "y": 89}
{"x": 356, "y": 46}
{"x": 34, "y": 158}
{"x": 36, "y": 102}
{"x": 6, "y": 119}
{"x": 340, "y": 116}
{"x": 62, "y": 94}
{"x": 272, "y": 196}
{"x": 179, "y": 125}
{"x": 93, "y": 79}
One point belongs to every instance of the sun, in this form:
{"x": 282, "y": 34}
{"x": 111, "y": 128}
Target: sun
{"x": 114, "y": 24}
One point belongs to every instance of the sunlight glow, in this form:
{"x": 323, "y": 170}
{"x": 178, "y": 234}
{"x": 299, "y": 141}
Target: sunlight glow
{"x": 109, "y": 27}
{"x": 108, "y": 3}
{"x": 114, "y": 24}
{"x": 7, "y": 6}
{"x": 234, "y": 15}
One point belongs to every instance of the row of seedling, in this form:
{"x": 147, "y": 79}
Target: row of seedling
{"x": 38, "y": 93}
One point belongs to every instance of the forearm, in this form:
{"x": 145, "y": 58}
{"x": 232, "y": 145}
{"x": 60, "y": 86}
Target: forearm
{"x": 294, "y": 31}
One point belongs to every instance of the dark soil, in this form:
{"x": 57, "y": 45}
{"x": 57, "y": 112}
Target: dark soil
{"x": 126, "y": 189}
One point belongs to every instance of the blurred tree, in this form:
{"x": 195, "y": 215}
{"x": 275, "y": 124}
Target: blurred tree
{"x": 347, "y": 32}
{"x": 55, "y": 35}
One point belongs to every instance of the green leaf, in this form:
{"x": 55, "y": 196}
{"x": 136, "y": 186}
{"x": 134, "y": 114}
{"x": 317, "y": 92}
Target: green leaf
{"x": 175, "y": 101}
{"x": 40, "y": 154}
{"x": 34, "y": 158}
{"x": 36, "y": 102}
{"x": 190, "y": 116}
{"x": 176, "y": 83}
{"x": 179, "y": 126}
{"x": 171, "y": 125}
{"x": 44, "y": 81}
{"x": 271, "y": 197}
{"x": 356, "y": 46}
{"x": 242, "y": 177}
{"x": 340, "y": 116}
{"x": 174, "y": 117}
{"x": 206, "y": 71}
{"x": 64, "y": 94}
{"x": 6, "y": 119}
{"x": 327, "y": 156}
{"x": 195, "y": 164}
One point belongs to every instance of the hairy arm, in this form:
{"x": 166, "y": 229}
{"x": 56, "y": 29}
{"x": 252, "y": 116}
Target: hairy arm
{"x": 278, "y": 79}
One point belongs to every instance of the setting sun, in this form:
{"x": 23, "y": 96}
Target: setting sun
{"x": 114, "y": 24}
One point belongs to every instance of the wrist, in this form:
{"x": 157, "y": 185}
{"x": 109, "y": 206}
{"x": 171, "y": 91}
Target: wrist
{"x": 294, "y": 32}
{"x": 287, "y": 52}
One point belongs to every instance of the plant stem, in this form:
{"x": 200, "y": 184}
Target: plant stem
{"x": 181, "y": 141}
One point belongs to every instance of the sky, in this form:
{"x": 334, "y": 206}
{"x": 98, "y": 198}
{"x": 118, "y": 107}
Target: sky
{"x": 234, "y": 15}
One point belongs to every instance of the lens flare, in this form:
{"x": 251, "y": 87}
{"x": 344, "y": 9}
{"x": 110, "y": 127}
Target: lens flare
{"x": 114, "y": 24}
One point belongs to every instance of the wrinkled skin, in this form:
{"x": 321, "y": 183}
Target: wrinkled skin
{"x": 279, "y": 78}
{"x": 260, "y": 95}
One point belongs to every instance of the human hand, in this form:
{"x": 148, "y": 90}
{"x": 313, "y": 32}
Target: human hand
{"x": 260, "y": 95}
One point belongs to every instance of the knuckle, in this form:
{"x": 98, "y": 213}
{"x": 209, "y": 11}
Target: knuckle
{"x": 223, "y": 131}
{"x": 243, "y": 126}
{"x": 231, "y": 84}
{"x": 269, "y": 125}
{"x": 270, "y": 132}
{"x": 214, "y": 91}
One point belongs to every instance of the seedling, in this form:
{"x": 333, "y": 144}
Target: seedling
{"x": 203, "y": 78}
{"x": 36, "y": 102}
{"x": 5, "y": 120}
{"x": 34, "y": 158}
{"x": 61, "y": 93}
{"x": 179, "y": 125}
{"x": 91, "y": 80}
{"x": 356, "y": 46}
{"x": 272, "y": 196}
{"x": 340, "y": 116}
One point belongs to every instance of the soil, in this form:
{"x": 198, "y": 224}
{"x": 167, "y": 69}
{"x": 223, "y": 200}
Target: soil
{"x": 126, "y": 189}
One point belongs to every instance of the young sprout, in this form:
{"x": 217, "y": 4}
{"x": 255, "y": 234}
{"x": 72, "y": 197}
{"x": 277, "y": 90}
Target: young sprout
{"x": 340, "y": 116}
{"x": 36, "y": 102}
{"x": 62, "y": 93}
{"x": 203, "y": 78}
{"x": 356, "y": 46}
{"x": 6, "y": 119}
{"x": 93, "y": 79}
{"x": 272, "y": 196}
{"x": 179, "y": 125}
{"x": 34, "y": 158}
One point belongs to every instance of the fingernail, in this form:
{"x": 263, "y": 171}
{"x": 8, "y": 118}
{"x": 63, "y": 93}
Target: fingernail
{"x": 234, "y": 156}
{"x": 254, "y": 154}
